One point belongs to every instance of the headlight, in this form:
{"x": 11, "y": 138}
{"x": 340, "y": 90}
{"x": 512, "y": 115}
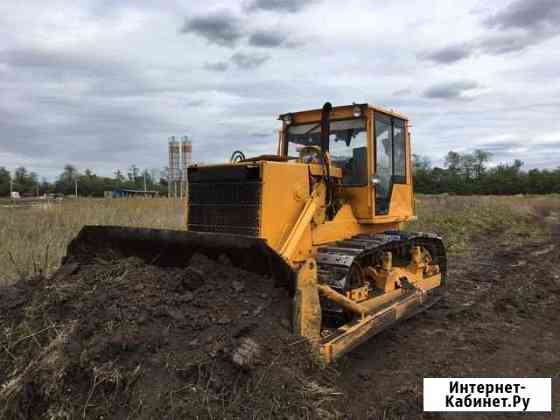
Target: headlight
{"x": 288, "y": 119}
{"x": 357, "y": 111}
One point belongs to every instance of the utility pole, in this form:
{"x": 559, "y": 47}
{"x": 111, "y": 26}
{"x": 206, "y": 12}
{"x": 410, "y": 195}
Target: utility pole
{"x": 145, "y": 189}
{"x": 76, "y": 187}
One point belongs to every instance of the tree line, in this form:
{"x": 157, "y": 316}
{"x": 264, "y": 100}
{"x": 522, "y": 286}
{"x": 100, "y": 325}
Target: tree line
{"x": 463, "y": 173}
{"x": 87, "y": 182}
{"x": 471, "y": 173}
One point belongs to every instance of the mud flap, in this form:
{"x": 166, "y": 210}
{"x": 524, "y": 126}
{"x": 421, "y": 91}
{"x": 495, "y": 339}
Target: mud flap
{"x": 174, "y": 248}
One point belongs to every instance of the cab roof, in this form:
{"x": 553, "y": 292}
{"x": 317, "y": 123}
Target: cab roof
{"x": 339, "y": 112}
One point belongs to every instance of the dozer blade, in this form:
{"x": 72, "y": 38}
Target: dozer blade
{"x": 174, "y": 248}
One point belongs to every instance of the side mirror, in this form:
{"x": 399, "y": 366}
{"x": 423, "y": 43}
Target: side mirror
{"x": 375, "y": 181}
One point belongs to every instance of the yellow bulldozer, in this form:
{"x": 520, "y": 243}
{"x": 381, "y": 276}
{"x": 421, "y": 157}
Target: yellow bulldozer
{"x": 323, "y": 216}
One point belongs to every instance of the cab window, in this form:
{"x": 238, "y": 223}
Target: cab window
{"x": 347, "y": 146}
{"x": 399, "y": 153}
{"x": 390, "y": 148}
{"x": 390, "y": 158}
{"x": 348, "y": 149}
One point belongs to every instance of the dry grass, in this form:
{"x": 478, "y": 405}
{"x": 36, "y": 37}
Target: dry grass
{"x": 460, "y": 219}
{"x": 34, "y": 239}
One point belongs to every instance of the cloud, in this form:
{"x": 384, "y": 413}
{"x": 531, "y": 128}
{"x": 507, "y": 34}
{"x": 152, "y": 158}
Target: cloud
{"x": 501, "y": 147}
{"x": 33, "y": 57}
{"x": 527, "y": 14}
{"x": 402, "y": 92}
{"x": 221, "y": 28}
{"x": 219, "y": 66}
{"x": 78, "y": 70}
{"x": 521, "y": 24}
{"x": 89, "y": 121}
{"x": 65, "y": 105}
{"x": 506, "y": 43}
{"x": 243, "y": 61}
{"x": 450, "y": 90}
{"x": 270, "y": 39}
{"x": 451, "y": 53}
{"x": 195, "y": 102}
{"x": 516, "y": 147}
{"x": 263, "y": 134}
{"x": 284, "y": 6}
{"x": 249, "y": 61}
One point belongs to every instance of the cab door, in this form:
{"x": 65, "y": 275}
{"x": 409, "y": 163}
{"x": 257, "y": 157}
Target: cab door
{"x": 390, "y": 159}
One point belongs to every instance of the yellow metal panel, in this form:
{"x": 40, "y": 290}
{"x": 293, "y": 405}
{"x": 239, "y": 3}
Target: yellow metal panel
{"x": 306, "y": 319}
{"x": 409, "y": 178}
{"x": 401, "y": 201}
{"x": 317, "y": 170}
{"x": 371, "y": 164}
{"x": 305, "y": 248}
{"x": 284, "y": 193}
{"x": 359, "y": 199}
{"x": 345, "y": 225}
{"x": 390, "y": 112}
{"x": 297, "y": 245}
{"x": 340, "y": 112}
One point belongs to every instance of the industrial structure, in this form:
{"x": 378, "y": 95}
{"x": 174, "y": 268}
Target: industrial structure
{"x": 180, "y": 157}
{"x": 174, "y": 170}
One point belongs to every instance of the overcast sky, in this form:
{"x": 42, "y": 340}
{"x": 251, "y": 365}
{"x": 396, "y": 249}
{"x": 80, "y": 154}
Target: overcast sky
{"x": 103, "y": 84}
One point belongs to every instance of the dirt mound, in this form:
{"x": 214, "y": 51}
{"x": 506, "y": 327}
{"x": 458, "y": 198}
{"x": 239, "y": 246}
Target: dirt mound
{"x": 117, "y": 338}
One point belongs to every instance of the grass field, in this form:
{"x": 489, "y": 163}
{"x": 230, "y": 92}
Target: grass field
{"x": 462, "y": 219}
{"x": 34, "y": 239}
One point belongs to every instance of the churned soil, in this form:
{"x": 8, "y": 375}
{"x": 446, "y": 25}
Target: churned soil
{"x": 118, "y": 338}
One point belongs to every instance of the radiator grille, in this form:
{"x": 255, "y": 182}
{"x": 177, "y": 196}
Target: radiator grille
{"x": 225, "y": 200}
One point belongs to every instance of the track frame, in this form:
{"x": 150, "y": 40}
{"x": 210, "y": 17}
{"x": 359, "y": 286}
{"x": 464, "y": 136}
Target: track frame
{"x": 326, "y": 279}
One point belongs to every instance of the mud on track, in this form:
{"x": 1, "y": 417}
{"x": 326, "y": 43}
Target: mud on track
{"x": 121, "y": 339}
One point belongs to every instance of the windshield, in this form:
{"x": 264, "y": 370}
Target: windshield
{"x": 347, "y": 146}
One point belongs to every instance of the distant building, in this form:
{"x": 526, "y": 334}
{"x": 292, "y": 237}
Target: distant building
{"x": 129, "y": 193}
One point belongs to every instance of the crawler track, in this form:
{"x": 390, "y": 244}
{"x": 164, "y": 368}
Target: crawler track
{"x": 337, "y": 260}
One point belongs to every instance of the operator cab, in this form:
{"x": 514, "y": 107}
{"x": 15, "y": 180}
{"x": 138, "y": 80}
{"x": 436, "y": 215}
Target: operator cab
{"x": 382, "y": 173}
{"x": 347, "y": 146}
